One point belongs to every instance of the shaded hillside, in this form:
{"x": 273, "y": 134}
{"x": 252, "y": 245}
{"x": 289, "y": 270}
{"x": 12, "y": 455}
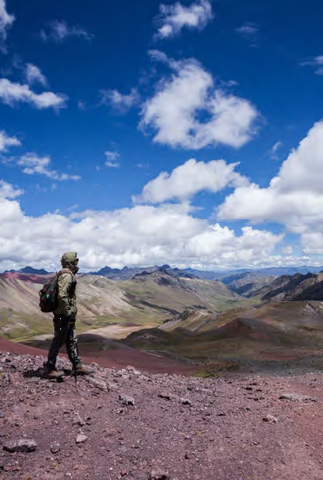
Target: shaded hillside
{"x": 241, "y": 279}
{"x": 296, "y": 287}
{"x": 175, "y": 293}
{"x": 261, "y": 336}
{"x": 268, "y": 287}
{"x": 247, "y": 283}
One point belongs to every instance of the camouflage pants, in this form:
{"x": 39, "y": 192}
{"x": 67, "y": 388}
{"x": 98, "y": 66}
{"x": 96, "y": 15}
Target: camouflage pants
{"x": 64, "y": 332}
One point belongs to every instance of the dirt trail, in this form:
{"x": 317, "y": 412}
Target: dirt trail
{"x": 118, "y": 357}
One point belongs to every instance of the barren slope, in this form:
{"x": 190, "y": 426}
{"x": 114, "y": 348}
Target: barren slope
{"x": 133, "y": 425}
{"x": 257, "y": 338}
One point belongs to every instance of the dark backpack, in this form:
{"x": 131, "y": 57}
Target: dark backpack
{"x": 48, "y": 294}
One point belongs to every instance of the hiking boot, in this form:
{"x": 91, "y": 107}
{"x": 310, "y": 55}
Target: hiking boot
{"x": 53, "y": 374}
{"x": 81, "y": 370}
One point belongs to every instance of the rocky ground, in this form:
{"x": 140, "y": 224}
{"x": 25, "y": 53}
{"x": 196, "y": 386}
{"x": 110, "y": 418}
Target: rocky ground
{"x": 128, "y": 424}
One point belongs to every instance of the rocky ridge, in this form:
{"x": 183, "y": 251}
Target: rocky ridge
{"x": 124, "y": 423}
{"x": 293, "y": 288}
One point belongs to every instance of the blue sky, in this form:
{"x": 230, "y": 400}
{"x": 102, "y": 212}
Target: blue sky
{"x": 155, "y": 132}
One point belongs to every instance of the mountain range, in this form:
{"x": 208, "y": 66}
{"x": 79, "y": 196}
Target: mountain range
{"x": 235, "y": 278}
{"x": 226, "y": 277}
{"x": 29, "y": 270}
{"x": 145, "y": 299}
{"x": 178, "y": 316}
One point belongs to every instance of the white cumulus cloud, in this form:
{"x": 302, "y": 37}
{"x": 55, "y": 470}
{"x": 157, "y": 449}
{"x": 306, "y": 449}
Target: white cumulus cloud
{"x": 6, "y": 19}
{"x": 112, "y": 158}
{"x": 34, "y": 75}
{"x": 142, "y": 235}
{"x": 316, "y": 63}
{"x": 293, "y": 198}
{"x": 312, "y": 242}
{"x": 9, "y": 191}
{"x": 6, "y": 141}
{"x": 252, "y": 246}
{"x": 59, "y": 31}
{"x": 173, "y": 18}
{"x": 112, "y": 155}
{"x": 120, "y": 101}
{"x": 32, "y": 164}
{"x": 288, "y": 250}
{"x": 275, "y": 149}
{"x": 12, "y": 93}
{"x": 189, "y": 111}
{"x": 248, "y": 29}
{"x": 190, "y": 178}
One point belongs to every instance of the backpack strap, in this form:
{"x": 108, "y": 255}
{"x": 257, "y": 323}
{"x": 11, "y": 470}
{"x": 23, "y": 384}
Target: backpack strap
{"x": 65, "y": 270}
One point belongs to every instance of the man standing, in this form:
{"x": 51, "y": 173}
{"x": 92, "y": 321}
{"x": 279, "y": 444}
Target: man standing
{"x": 64, "y": 319}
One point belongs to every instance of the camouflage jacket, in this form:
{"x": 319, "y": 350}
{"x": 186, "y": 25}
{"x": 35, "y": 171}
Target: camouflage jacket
{"x": 66, "y": 294}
